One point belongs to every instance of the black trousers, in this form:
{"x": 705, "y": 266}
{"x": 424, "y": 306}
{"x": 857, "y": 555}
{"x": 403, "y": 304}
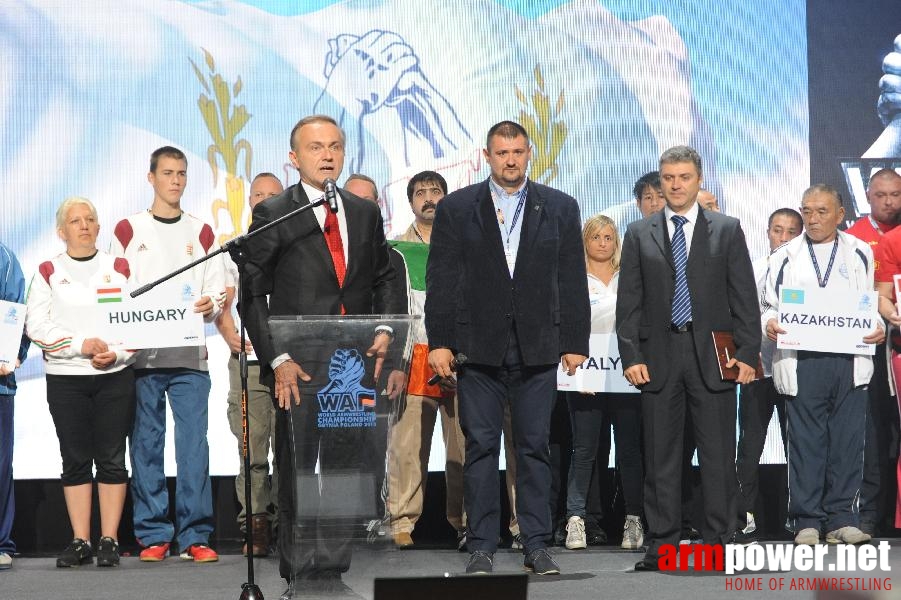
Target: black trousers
{"x": 322, "y": 513}
{"x": 483, "y": 392}
{"x": 877, "y": 494}
{"x": 755, "y": 410}
{"x": 561, "y": 446}
{"x": 93, "y": 415}
{"x": 713, "y": 420}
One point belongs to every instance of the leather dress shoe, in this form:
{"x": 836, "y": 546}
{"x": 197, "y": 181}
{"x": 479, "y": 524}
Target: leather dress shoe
{"x": 288, "y": 594}
{"x": 645, "y": 565}
{"x": 744, "y": 539}
{"x": 319, "y": 585}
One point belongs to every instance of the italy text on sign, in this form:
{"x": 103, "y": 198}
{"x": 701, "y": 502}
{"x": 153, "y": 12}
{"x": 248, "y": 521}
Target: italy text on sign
{"x": 601, "y": 372}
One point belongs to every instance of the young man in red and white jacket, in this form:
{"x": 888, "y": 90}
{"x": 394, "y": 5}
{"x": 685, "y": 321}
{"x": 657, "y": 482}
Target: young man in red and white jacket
{"x": 156, "y": 242}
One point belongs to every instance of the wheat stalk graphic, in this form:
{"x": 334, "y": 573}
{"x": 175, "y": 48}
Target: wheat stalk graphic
{"x": 225, "y": 121}
{"x": 546, "y": 130}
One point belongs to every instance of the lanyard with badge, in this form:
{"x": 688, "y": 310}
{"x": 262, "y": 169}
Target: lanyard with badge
{"x": 822, "y": 280}
{"x": 508, "y": 252}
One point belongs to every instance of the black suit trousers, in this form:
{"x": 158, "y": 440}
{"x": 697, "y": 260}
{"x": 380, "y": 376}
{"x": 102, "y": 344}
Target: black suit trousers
{"x": 877, "y": 494}
{"x": 324, "y": 507}
{"x": 483, "y": 393}
{"x": 756, "y": 404}
{"x": 713, "y": 422}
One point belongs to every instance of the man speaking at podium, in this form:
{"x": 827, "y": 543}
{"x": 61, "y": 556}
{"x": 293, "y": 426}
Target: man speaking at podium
{"x": 317, "y": 263}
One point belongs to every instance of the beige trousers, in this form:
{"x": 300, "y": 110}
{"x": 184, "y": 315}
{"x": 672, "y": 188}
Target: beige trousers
{"x": 408, "y": 461}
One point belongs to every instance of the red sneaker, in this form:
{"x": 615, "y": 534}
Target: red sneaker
{"x": 200, "y": 553}
{"x": 155, "y": 552}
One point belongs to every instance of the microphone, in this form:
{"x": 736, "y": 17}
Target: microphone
{"x": 459, "y": 360}
{"x": 331, "y": 194}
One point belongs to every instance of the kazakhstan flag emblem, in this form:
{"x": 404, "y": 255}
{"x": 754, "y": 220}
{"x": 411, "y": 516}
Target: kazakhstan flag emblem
{"x": 792, "y": 296}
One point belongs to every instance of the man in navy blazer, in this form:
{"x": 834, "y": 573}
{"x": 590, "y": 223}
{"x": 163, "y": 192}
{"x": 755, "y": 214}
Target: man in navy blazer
{"x": 302, "y": 267}
{"x": 506, "y": 290}
{"x": 664, "y": 328}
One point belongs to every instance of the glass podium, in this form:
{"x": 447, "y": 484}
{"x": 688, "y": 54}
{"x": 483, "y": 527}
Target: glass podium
{"x": 339, "y": 433}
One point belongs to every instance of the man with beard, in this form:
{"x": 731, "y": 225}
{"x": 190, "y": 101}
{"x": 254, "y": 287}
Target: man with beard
{"x": 881, "y": 444}
{"x": 411, "y": 437}
{"x": 884, "y": 198}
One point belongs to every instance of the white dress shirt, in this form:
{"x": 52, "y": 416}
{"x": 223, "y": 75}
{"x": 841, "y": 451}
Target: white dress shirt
{"x": 320, "y": 211}
{"x": 688, "y": 228}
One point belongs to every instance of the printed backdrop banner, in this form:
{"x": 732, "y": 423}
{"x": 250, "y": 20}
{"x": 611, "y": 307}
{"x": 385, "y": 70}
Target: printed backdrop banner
{"x": 603, "y": 86}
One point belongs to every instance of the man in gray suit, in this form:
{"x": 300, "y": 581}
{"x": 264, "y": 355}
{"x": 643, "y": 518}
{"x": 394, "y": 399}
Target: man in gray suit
{"x": 686, "y": 273}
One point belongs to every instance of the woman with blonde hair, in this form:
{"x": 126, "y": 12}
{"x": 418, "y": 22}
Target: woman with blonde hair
{"x": 90, "y": 386}
{"x": 587, "y": 410}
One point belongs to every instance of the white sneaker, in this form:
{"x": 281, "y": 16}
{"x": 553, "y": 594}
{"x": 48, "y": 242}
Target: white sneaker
{"x": 633, "y": 533}
{"x": 807, "y": 537}
{"x": 575, "y": 533}
{"x": 6, "y": 561}
{"x": 847, "y": 535}
{"x": 751, "y": 526}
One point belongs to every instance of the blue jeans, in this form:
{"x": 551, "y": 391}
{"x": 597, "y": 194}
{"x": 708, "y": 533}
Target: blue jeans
{"x": 188, "y": 392}
{"x": 7, "y": 499}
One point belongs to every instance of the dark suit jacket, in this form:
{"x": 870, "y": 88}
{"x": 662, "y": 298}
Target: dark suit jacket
{"x": 722, "y": 288}
{"x": 291, "y": 264}
{"x": 471, "y": 298}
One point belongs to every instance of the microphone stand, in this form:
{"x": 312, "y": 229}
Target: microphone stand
{"x": 236, "y": 249}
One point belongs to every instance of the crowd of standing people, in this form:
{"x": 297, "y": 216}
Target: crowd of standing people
{"x": 511, "y": 284}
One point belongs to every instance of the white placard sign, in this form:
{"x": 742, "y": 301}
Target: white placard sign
{"x": 601, "y": 372}
{"x": 161, "y": 318}
{"x": 827, "y": 320}
{"x": 12, "y": 322}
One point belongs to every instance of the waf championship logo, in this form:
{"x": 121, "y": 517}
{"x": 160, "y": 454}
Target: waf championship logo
{"x": 345, "y": 402}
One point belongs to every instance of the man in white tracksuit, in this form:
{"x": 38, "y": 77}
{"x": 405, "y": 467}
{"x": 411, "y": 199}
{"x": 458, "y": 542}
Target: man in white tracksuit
{"x": 828, "y": 411}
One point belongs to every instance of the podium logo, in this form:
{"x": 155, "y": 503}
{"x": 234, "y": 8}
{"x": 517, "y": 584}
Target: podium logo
{"x": 345, "y": 401}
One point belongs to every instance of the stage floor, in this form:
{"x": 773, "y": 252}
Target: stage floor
{"x": 603, "y": 572}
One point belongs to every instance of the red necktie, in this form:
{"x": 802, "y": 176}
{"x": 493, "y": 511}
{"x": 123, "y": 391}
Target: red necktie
{"x": 335, "y": 246}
